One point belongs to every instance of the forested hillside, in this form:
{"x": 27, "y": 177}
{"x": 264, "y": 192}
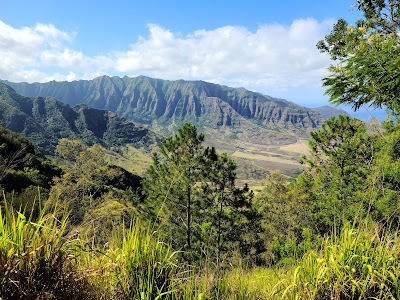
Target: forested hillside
{"x": 45, "y": 120}
{"x": 22, "y": 164}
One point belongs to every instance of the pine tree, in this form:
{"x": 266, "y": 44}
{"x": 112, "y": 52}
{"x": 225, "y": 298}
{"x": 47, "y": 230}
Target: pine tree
{"x": 342, "y": 156}
{"x": 170, "y": 184}
{"x": 192, "y": 196}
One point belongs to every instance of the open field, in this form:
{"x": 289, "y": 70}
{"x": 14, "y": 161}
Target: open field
{"x": 300, "y": 147}
{"x": 264, "y": 157}
{"x": 264, "y": 152}
{"x": 256, "y": 160}
{"x": 132, "y": 159}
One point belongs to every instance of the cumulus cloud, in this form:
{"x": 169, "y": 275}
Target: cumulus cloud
{"x": 272, "y": 58}
{"x": 26, "y": 51}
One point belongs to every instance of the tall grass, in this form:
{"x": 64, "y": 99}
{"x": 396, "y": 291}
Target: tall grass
{"x": 360, "y": 263}
{"x": 40, "y": 260}
{"x": 37, "y": 260}
{"x": 144, "y": 266}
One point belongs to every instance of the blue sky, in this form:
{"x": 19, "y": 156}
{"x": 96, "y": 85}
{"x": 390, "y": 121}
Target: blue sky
{"x": 264, "y": 46}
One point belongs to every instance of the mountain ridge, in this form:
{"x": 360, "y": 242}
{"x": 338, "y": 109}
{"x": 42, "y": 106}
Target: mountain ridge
{"x": 144, "y": 100}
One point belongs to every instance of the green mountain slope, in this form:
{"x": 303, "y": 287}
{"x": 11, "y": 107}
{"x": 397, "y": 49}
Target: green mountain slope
{"x": 45, "y": 120}
{"x": 146, "y": 100}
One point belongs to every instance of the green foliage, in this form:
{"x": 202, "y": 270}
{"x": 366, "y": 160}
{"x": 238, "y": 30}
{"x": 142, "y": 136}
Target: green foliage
{"x": 227, "y": 211}
{"x": 285, "y": 216}
{"x": 368, "y": 71}
{"x": 145, "y": 266}
{"x": 101, "y": 221}
{"x": 96, "y": 196}
{"x": 82, "y": 181}
{"x": 22, "y": 164}
{"x": 384, "y": 179}
{"x": 193, "y": 196}
{"x": 170, "y": 184}
{"x": 342, "y": 155}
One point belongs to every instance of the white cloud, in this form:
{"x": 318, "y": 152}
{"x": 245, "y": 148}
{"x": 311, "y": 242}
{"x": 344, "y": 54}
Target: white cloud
{"x": 272, "y": 58}
{"x": 25, "y": 52}
{"x": 275, "y": 57}
{"x": 65, "y": 59}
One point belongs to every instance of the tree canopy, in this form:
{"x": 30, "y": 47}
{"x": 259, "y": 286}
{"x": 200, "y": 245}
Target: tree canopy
{"x": 368, "y": 71}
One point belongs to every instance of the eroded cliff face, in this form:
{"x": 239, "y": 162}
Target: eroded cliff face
{"x": 143, "y": 99}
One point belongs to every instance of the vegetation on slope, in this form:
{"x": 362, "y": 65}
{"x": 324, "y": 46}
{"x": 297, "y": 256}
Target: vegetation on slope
{"x": 22, "y": 164}
{"x": 145, "y": 99}
{"x": 45, "y": 120}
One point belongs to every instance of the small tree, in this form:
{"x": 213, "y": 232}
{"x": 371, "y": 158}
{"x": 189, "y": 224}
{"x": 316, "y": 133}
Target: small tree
{"x": 282, "y": 217}
{"x": 226, "y": 208}
{"x": 83, "y": 179}
{"x": 193, "y": 195}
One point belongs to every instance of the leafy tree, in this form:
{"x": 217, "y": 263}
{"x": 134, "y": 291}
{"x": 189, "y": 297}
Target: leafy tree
{"x": 368, "y": 73}
{"x": 84, "y": 179}
{"x": 97, "y": 196}
{"x": 368, "y": 52}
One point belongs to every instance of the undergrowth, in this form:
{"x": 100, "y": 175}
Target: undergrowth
{"x": 361, "y": 263}
{"x": 37, "y": 259}
{"x": 40, "y": 260}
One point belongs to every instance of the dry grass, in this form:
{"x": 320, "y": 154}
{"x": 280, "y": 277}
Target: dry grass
{"x": 254, "y": 156}
{"x": 132, "y": 159}
{"x": 300, "y": 147}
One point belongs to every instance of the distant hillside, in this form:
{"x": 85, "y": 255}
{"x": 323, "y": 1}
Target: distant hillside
{"x": 329, "y": 111}
{"x": 45, "y": 120}
{"x": 170, "y": 103}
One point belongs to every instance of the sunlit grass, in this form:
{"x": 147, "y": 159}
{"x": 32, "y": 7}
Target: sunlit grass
{"x": 300, "y": 147}
{"x": 362, "y": 263}
{"x": 37, "y": 259}
{"x": 135, "y": 265}
{"x": 131, "y": 159}
{"x": 256, "y": 156}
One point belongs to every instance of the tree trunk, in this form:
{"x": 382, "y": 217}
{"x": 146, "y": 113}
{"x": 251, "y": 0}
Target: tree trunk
{"x": 219, "y": 233}
{"x": 188, "y": 217}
